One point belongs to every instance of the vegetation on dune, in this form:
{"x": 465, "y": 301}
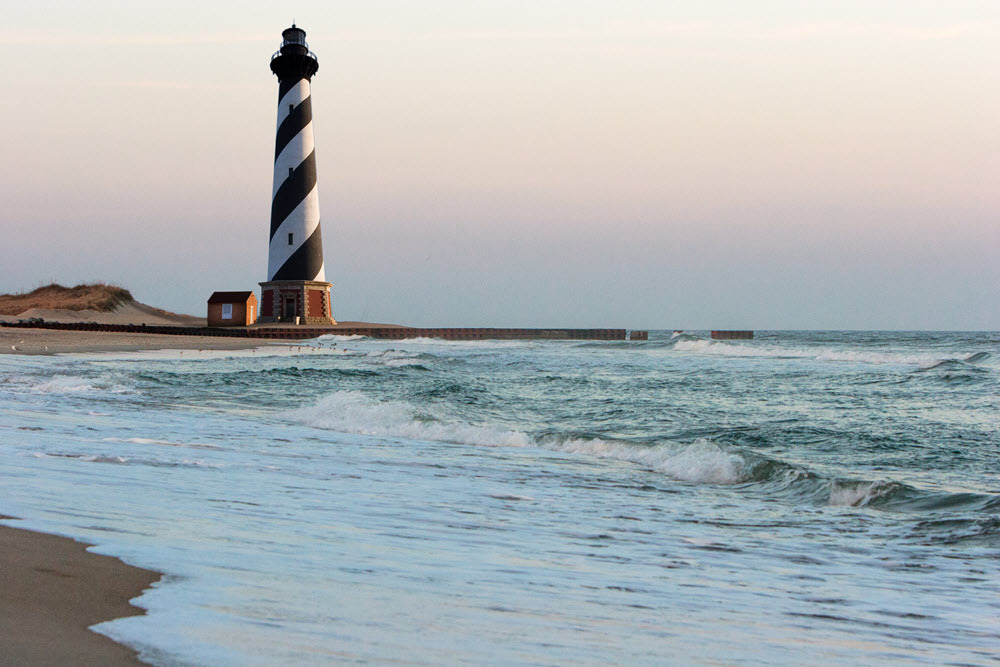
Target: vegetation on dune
{"x": 96, "y": 296}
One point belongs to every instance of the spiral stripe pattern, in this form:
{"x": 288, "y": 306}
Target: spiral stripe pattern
{"x": 295, "y": 251}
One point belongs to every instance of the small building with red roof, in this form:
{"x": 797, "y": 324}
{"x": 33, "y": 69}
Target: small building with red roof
{"x": 232, "y": 309}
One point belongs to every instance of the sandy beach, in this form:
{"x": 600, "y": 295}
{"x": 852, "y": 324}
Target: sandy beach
{"x": 53, "y": 591}
{"x": 55, "y": 341}
{"x": 49, "y": 341}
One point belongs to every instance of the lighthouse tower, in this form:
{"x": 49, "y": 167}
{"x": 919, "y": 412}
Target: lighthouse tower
{"x": 296, "y": 289}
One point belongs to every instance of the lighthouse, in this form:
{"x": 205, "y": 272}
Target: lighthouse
{"x": 296, "y": 289}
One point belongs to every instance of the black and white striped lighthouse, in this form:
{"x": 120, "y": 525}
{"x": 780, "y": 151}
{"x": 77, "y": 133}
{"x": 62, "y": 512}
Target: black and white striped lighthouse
{"x": 296, "y": 289}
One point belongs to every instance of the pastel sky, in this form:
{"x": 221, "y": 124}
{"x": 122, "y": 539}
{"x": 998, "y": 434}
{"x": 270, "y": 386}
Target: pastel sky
{"x": 714, "y": 164}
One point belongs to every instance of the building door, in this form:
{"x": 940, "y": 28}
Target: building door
{"x": 289, "y": 308}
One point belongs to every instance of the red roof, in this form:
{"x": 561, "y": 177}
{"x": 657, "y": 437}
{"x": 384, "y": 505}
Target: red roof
{"x": 230, "y": 297}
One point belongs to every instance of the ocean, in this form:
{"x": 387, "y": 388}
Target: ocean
{"x": 803, "y": 497}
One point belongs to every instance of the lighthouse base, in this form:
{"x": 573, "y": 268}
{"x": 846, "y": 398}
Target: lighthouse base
{"x": 296, "y": 301}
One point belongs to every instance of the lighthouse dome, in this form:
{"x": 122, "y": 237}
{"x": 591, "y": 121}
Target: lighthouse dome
{"x": 294, "y": 37}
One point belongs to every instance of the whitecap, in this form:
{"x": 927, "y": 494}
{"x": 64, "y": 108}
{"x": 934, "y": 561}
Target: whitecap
{"x": 354, "y": 412}
{"x": 74, "y": 384}
{"x": 337, "y": 338}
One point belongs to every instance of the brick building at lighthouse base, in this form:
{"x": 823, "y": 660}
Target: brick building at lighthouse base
{"x": 296, "y": 301}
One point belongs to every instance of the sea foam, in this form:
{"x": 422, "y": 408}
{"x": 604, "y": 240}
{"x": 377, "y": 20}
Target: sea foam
{"x": 701, "y": 461}
{"x": 70, "y": 384}
{"x": 355, "y": 412}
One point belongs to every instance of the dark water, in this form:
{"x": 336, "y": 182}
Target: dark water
{"x": 817, "y": 497}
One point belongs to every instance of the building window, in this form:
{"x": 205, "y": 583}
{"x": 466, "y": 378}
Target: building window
{"x": 227, "y": 311}
{"x": 291, "y": 170}
{"x": 291, "y": 108}
{"x": 289, "y": 238}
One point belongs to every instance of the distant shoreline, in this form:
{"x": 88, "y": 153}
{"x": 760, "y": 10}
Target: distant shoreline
{"x": 54, "y": 591}
{"x": 160, "y": 336}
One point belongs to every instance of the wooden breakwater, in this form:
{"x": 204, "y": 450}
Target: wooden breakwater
{"x": 304, "y": 332}
{"x": 732, "y": 335}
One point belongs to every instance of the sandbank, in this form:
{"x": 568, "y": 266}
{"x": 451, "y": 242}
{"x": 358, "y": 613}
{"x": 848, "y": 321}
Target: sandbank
{"x": 53, "y": 590}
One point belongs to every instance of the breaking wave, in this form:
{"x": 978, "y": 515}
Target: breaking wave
{"x": 69, "y": 384}
{"x": 711, "y": 347}
{"x": 473, "y": 344}
{"x": 393, "y": 358}
{"x": 955, "y": 371}
{"x": 701, "y": 461}
{"x": 354, "y": 412}
{"x": 334, "y": 338}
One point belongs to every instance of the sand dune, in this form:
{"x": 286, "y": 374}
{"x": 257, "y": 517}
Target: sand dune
{"x": 104, "y": 304}
{"x": 127, "y": 313}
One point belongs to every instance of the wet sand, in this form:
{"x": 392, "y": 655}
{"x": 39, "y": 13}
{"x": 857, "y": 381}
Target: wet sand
{"x": 53, "y": 590}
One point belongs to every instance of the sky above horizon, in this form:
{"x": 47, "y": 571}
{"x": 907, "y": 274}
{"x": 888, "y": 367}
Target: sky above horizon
{"x": 721, "y": 164}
